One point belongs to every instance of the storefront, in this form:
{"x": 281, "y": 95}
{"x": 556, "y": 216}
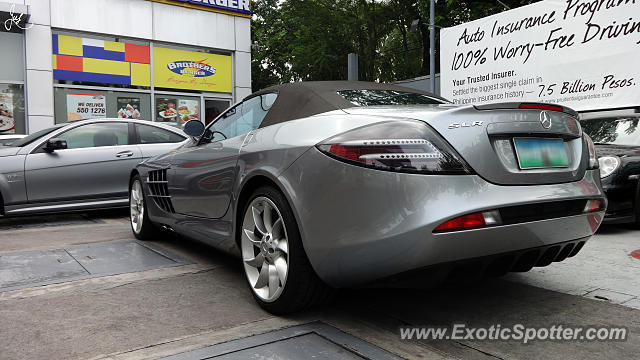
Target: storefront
{"x": 12, "y": 68}
{"x": 162, "y": 60}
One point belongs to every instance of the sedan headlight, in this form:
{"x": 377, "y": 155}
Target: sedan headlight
{"x": 608, "y": 164}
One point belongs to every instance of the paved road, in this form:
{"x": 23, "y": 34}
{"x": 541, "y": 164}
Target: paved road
{"x": 184, "y": 297}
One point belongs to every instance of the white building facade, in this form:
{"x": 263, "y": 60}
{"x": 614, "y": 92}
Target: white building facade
{"x": 157, "y": 60}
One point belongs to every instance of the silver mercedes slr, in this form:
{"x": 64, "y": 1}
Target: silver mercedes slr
{"x": 325, "y": 185}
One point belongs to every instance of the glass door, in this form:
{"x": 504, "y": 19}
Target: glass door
{"x": 213, "y": 108}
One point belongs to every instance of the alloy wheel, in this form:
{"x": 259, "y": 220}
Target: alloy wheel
{"x": 265, "y": 249}
{"x": 136, "y": 203}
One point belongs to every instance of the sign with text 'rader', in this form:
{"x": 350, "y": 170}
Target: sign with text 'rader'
{"x": 231, "y": 7}
{"x": 578, "y": 53}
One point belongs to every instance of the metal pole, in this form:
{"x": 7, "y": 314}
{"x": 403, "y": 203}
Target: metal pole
{"x": 432, "y": 43}
{"x": 352, "y": 67}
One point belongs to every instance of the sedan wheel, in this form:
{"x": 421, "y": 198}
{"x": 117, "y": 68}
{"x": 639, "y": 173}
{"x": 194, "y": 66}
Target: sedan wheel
{"x": 141, "y": 225}
{"x": 136, "y": 207}
{"x": 275, "y": 263}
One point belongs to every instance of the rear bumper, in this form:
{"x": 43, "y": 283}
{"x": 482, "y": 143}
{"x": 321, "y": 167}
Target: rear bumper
{"x": 360, "y": 225}
{"x": 491, "y": 265}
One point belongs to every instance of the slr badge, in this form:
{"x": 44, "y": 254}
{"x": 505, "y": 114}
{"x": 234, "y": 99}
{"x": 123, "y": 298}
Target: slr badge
{"x": 464, "y": 125}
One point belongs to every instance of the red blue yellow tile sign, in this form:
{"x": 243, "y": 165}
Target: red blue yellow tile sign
{"x": 107, "y": 62}
{"x": 181, "y": 69}
{"x": 230, "y": 7}
{"x": 100, "y": 61}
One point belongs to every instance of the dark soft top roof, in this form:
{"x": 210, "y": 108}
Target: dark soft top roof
{"x": 302, "y": 99}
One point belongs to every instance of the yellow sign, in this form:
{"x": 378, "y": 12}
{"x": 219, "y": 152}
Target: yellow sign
{"x": 180, "y": 69}
{"x": 228, "y": 7}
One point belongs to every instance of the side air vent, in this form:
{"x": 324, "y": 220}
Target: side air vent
{"x": 159, "y": 187}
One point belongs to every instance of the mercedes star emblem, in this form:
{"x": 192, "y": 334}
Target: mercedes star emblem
{"x": 545, "y": 120}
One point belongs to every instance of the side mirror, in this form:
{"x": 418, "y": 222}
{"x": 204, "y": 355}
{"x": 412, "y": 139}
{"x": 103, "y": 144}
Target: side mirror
{"x": 55, "y": 144}
{"x": 194, "y": 128}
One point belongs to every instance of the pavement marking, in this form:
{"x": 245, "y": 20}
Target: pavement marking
{"x": 105, "y": 282}
{"x": 22, "y": 269}
{"x": 315, "y": 339}
{"x": 346, "y": 322}
{"x": 33, "y": 268}
{"x": 201, "y": 340}
{"x": 381, "y": 330}
{"x": 613, "y": 297}
{"x": 636, "y": 254}
{"x": 633, "y": 303}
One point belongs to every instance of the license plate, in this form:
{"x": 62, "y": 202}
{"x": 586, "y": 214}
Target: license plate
{"x": 536, "y": 153}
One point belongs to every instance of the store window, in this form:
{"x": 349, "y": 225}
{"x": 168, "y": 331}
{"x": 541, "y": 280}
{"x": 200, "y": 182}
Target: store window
{"x": 12, "y": 109}
{"x": 98, "y": 76}
{"x": 78, "y": 104}
{"x": 12, "y": 116}
{"x": 213, "y": 109}
{"x": 177, "y": 110}
{"x": 11, "y": 56}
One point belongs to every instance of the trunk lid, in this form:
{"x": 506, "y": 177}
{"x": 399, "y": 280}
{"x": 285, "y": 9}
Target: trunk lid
{"x": 484, "y": 137}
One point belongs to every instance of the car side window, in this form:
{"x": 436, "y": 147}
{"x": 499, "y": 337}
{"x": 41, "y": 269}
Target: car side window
{"x": 225, "y": 126}
{"x": 240, "y": 119}
{"x": 256, "y": 109}
{"x": 147, "y": 134}
{"x": 97, "y": 135}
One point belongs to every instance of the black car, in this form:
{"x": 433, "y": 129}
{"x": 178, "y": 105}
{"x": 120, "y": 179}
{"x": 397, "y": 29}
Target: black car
{"x": 617, "y": 141}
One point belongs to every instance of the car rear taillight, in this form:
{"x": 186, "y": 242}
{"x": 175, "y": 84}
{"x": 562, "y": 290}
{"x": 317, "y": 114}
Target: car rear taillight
{"x": 404, "y": 146}
{"x": 470, "y": 221}
{"x": 542, "y": 107}
{"x": 593, "y": 158}
{"x": 595, "y": 205}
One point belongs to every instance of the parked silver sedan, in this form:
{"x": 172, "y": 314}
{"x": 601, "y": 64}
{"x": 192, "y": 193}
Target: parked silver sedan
{"x": 338, "y": 184}
{"x": 79, "y": 165}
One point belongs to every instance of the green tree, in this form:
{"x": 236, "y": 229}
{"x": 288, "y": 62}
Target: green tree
{"x": 310, "y": 39}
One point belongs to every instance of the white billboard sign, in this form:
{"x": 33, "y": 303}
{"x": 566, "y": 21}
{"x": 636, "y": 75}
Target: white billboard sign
{"x": 583, "y": 54}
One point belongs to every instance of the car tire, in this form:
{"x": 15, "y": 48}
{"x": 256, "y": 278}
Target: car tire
{"x": 637, "y": 208}
{"x": 276, "y": 266}
{"x": 143, "y": 228}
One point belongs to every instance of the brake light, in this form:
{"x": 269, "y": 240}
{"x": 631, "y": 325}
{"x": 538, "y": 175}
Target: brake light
{"x": 593, "y": 157}
{"x": 373, "y": 151}
{"x": 470, "y": 221}
{"x": 404, "y": 146}
{"x": 542, "y": 107}
{"x": 594, "y": 205}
